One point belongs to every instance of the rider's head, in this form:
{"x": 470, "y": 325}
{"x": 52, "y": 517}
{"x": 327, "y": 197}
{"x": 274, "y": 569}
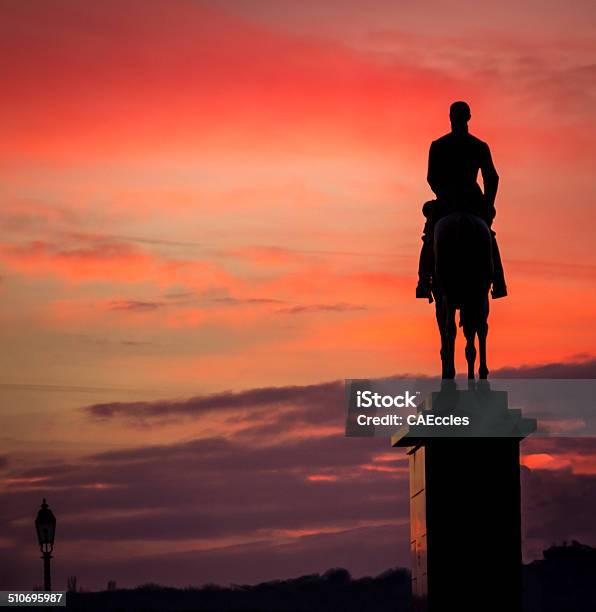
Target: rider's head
{"x": 459, "y": 113}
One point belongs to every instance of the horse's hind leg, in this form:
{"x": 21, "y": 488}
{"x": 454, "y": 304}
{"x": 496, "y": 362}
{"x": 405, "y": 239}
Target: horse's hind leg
{"x": 470, "y": 334}
{"x": 441, "y": 318}
{"x": 482, "y": 333}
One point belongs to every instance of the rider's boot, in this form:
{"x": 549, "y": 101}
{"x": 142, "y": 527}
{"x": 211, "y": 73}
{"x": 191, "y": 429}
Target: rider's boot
{"x": 499, "y": 289}
{"x": 423, "y": 290}
{"x": 425, "y": 266}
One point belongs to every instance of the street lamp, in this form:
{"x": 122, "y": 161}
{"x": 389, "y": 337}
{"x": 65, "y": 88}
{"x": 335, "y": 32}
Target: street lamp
{"x": 45, "y": 525}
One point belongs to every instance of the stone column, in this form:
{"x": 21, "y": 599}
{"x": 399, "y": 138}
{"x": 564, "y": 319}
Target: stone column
{"x": 465, "y": 515}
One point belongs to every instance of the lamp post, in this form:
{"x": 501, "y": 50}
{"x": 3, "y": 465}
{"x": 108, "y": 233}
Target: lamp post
{"x": 45, "y": 525}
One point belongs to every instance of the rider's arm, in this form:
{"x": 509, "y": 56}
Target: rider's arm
{"x": 490, "y": 178}
{"x": 433, "y": 170}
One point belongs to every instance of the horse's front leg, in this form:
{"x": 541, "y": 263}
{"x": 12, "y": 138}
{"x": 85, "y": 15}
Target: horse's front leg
{"x": 448, "y": 330}
{"x": 482, "y": 368}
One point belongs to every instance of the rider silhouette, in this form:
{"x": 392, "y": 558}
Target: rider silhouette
{"x": 453, "y": 164}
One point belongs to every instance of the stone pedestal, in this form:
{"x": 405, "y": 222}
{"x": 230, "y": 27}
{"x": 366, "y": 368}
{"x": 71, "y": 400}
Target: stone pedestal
{"x": 465, "y": 518}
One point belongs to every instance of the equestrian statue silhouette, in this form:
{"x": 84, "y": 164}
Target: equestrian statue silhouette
{"x": 460, "y": 259}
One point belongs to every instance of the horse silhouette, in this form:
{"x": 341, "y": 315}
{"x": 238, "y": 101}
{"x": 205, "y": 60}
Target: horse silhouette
{"x": 463, "y": 274}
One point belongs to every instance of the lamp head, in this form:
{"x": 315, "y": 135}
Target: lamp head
{"x": 45, "y": 526}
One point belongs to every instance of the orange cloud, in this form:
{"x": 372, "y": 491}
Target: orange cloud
{"x": 544, "y": 461}
{"x": 107, "y": 261}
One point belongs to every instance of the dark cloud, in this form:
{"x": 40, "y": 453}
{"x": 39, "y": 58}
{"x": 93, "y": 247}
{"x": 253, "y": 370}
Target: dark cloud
{"x": 217, "y": 490}
{"x": 134, "y": 305}
{"x": 341, "y": 307}
{"x": 558, "y": 506}
{"x": 318, "y": 403}
{"x": 559, "y": 445}
{"x": 103, "y": 237}
{"x": 213, "y": 489}
{"x": 232, "y": 301}
{"x": 183, "y": 295}
{"x": 137, "y": 343}
{"x": 581, "y": 368}
{"x": 265, "y": 397}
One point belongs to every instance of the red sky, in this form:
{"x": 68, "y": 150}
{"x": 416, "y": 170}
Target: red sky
{"x": 199, "y": 197}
